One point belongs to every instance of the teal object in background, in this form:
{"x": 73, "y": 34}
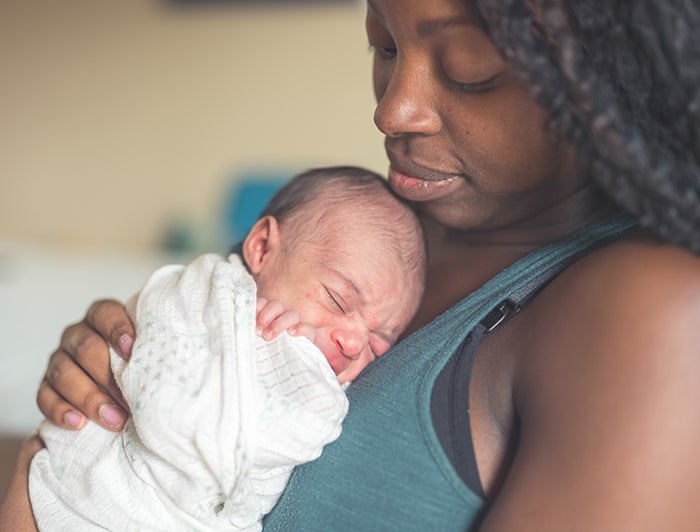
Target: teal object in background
{"x": 245, "y": 199}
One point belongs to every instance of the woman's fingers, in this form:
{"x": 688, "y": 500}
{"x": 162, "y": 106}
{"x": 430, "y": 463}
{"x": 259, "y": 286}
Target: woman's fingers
{"x": 82, "y": 346}
{"x": 58, "y": 410}
{"x": 68, "y": 395}
{"x": 111, "y": 321}
{"x": 79, "y": 384}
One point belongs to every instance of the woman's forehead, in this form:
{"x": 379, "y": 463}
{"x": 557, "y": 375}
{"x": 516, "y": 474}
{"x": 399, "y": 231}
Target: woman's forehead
{"x": 428, "y": 16}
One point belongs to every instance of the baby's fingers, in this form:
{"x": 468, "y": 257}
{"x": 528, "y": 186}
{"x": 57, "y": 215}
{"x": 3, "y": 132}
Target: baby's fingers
{"x": 265, "y": 313}
{"x": 271, "y": 326}
{"x": 260, "y": 304}
{"x": 303, "y": 329}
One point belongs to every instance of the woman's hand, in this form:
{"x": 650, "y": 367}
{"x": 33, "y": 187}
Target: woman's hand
{"x": 78, "y": 384}
{"x": 272, "y": 319}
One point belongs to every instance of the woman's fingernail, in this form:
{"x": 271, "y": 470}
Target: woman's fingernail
{"x": 73, "y": 419}
{"x": 111, "y": 415}
{"x": 125, "y": 343}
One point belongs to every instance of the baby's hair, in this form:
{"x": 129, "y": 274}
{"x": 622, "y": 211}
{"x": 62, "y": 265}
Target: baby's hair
{"x": 302, "y": 205}
{"x": 621, "y": 79}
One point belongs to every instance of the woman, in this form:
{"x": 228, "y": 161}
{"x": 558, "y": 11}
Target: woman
{"x": 522, "y": 130}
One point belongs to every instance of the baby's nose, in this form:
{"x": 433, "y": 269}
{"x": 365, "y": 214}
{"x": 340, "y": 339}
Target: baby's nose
{"x": 351, "y": 343}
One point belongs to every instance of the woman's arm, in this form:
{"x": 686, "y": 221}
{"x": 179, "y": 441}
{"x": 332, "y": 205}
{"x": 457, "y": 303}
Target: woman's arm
{"x": 608, "y": 400}
{"x": 78, "y": 383}
{"x": 15, "y": 509}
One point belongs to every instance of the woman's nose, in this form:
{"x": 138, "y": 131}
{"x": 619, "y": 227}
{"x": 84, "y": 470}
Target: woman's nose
{"x": 406, "y": 101}
{"x": 350, "y": 342}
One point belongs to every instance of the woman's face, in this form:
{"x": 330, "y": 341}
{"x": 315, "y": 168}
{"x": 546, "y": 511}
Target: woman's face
{"x": 464, "y": 138}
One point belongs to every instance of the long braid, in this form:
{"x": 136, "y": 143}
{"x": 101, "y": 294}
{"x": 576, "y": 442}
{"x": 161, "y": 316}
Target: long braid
{"x": 621, "y": 79}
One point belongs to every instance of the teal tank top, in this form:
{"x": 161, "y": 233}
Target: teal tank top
{"x": 388, "y": 470}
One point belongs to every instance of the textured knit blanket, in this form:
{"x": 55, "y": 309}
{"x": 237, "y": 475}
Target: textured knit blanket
{"x": 219, "y": 416}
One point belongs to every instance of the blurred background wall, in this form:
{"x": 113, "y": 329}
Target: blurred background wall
{"x": 121, "y": 120}
{"x": 119, "y": 117}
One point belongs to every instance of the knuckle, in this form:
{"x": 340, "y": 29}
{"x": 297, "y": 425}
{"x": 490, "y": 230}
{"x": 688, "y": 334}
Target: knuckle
{"x": 55, "y": 369}
{"x": 69, "y": 332}
{"x": 49, "y": 403}
{"x": 87, "y": 345}
{"x": 91, "y": 401}
{"x": 54, "y": 412}
{"x": 41, "y": 395}
{"x": 275, "y": 306}
{"x": 98, "y": 310}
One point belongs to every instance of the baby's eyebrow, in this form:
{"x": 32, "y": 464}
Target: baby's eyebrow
{"x": 352, "y": 286}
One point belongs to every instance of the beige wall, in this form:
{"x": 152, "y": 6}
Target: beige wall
{"x": 117, "y": 116}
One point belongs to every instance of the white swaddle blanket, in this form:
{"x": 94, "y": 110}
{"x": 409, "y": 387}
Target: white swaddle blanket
{"x": 219, "y": 416}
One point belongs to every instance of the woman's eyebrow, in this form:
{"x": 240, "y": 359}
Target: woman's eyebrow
{"x": 373, "y": 8}
{"x": 429, "y": 27}
{"x": 426, "y": 28}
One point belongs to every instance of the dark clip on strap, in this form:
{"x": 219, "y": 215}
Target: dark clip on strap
{"x": 501, "y": 313}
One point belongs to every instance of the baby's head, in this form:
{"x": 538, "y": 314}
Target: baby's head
{"x": 336, "y": 245}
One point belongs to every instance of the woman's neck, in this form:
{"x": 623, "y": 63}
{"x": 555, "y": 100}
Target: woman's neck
{"x": 583, "y": 207}
{"x": 461, "y": 261}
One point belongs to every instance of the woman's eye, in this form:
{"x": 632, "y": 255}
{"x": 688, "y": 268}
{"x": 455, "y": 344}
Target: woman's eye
{"x": 385, "y": 52}
{"x": 480, "y": 86}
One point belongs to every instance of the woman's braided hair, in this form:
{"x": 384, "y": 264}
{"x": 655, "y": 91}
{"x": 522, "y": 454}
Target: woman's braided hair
{"x": 621, "y": 79}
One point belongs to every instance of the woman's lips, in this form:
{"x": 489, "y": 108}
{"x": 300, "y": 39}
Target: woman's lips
{"x": 418, "y": 189}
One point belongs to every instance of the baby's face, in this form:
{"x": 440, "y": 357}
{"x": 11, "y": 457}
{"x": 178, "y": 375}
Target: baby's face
{"x": 359, "y": 300}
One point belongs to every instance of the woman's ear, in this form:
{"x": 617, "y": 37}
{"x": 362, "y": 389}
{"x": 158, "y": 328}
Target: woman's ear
{"x": 264, "y": 238}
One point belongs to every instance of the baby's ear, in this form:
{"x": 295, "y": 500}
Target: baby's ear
{"x": 262, "y": 239}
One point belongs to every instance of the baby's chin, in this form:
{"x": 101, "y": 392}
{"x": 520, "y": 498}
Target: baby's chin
{"x": 344, "y": 383}
{"x": 349, "y": 374}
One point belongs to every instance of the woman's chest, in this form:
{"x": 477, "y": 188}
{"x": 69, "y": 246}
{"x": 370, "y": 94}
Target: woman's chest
{"x": 492, "y": 406}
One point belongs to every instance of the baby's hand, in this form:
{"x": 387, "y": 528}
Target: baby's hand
{"x": 272, "y": 319}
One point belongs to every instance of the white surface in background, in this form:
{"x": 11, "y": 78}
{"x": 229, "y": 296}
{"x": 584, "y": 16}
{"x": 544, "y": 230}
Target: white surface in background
{"x": 41, "y": 291}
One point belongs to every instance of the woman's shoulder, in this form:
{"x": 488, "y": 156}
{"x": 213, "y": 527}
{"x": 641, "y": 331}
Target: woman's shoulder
{"x": 629, "y": 307}
{"x": 607, "y": 382}
{"x": 640, "y": 276}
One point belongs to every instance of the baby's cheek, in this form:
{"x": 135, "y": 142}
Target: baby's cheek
{"x": 310, "y": 310}
{"x": 379, "y": 345}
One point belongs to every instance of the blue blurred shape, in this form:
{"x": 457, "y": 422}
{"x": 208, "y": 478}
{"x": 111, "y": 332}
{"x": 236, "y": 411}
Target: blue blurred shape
{"x": 246, "y": 197}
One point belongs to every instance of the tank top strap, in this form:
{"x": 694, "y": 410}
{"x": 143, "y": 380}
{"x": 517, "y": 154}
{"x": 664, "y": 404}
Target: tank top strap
{"x": 517, "y": 284}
